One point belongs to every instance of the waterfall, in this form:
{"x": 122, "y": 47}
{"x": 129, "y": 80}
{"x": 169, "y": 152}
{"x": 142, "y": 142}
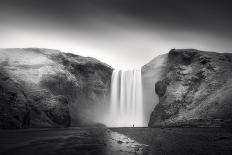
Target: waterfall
{"x": 126, "y": 107}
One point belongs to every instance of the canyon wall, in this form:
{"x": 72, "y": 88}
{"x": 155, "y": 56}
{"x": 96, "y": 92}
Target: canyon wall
{"x": 151, "y": 73}
{"x": 194, "y": 90}
{"x": 48, "y": 88}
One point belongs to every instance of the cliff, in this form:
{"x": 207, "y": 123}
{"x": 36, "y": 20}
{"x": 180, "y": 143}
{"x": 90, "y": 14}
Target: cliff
{"x": 151, "y": 73}
{"x": 194, "y": 90}
{"x": 48, "y": 88}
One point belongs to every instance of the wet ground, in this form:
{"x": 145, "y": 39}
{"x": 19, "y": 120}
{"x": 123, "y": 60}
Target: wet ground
{"x": 116, "y": 141}
{"x": 182, "y": 141}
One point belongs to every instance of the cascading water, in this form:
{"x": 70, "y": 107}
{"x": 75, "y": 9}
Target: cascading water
{"x": 126, "y": 107}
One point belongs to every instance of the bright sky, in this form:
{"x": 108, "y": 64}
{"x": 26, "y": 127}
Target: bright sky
{"x": 123, "y": 38}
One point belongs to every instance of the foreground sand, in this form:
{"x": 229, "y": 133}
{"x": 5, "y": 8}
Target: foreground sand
{"x": 116, "y": 141}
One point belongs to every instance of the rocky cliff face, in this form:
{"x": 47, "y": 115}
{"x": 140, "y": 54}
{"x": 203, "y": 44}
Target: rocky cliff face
{"x": 195, "y": 90}
{"x": 151, "y": 73}
{"x": 48, "y": 88}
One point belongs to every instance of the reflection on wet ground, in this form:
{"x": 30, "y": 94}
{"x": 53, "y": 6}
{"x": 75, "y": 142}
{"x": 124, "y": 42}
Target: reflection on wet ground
{"x": 116, "y": 141}
{"x": 121, "y": 144}
{"x": 182, "y": 141}
{"x": 68, "y": 141}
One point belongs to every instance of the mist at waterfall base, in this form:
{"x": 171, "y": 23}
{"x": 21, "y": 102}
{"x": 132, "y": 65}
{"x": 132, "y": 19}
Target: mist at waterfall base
{"x": 122, "y": 107}
{"x": 131, "y": 97}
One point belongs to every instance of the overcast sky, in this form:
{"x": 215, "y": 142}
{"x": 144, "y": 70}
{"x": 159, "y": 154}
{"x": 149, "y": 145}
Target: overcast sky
{"x": 122, "y": 33}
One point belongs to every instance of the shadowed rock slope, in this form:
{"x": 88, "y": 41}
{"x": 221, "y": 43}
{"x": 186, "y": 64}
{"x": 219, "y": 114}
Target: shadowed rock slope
{"x": 48, "y": 88}
{"x": 195, "y": 90}
{"x": 151, "y": 73}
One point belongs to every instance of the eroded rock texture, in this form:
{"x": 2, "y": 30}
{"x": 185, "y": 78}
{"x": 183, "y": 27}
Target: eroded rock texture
{"x": 195, "y": 90}
{"x": 48, "y": 88}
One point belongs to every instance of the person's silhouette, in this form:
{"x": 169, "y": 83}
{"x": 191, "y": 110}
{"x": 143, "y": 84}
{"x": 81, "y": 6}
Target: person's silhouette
{"x": 133, "y": 125}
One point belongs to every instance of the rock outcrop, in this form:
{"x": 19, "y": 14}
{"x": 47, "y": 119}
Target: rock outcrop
{"x": 194, "y": 90}
{"x": 48, "y": 88}
{"x": 151, "y": 73}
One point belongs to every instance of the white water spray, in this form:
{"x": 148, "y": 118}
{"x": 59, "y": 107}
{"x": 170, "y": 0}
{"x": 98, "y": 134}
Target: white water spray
{"x": 126, "y": 109}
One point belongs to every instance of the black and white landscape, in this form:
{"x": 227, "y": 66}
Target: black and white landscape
{"x": 44, "y": 89}
{"x": 115, "y": 77}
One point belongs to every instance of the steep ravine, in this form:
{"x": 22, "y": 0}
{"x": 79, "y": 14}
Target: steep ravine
{"x": 194, "y": 90}
{"x": 48, "y": 88}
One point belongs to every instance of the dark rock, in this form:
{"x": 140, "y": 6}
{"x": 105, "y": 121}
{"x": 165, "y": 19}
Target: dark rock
{"x": 184, "y": 57}
{"x": 48, "y": 88}
{"x": 197, "y": 91}
{"x": 161, "y": 86}
{"x": 204, "y": 60}
{"x": 13, "y": 105}
{"x": 119, "y": 142}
